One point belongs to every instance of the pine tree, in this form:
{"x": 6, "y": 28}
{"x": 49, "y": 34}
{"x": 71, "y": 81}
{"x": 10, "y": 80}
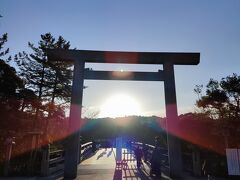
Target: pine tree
{"x": 222, "y": 103}
{"x": 51, "y": 81}
{"x": 3, "y": 51}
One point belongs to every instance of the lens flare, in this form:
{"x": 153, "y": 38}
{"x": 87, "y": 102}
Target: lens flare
{"x": 120, "y": 105}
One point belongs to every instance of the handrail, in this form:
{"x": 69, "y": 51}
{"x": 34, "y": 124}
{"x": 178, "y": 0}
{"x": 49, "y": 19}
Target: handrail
{"x": 149, "y": 150}
{"x": 56, "y": 151}
{"x": 86, "y": 144}
{"x": 85, "y": 151}
{"x": 56, "y": 157}
{"x": 53, "y": 162}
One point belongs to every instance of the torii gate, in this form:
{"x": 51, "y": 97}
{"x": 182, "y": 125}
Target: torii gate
{"x": 79, "y": 57}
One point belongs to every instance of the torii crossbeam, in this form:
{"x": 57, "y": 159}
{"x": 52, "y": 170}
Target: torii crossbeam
{"x": 167, "y": 59}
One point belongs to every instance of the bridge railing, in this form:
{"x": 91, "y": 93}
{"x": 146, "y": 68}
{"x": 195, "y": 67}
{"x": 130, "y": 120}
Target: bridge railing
{"x": 187, "y": 158}
{"x": 85, "y": 150}
{"x": 86, "y": 146}
{"x": 52, "y": 161}
{"x": 56, "y": 162}
{"x": 148, "y": 151}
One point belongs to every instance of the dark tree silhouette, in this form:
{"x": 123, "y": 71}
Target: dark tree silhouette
{"x": 10, "y": 83}
{"x": 222, "y": 103}
{"x": 3, "y": 51}
{"x": 51, "y": 81}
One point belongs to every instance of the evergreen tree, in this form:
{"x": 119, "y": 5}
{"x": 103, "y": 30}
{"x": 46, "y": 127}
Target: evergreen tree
{"x": 222, "y": 104}
{"x": 3, "y": 51}
{"x": 50, "y": 81}
{"x": 14, "y": 98}
{"x": 10, "y": 83}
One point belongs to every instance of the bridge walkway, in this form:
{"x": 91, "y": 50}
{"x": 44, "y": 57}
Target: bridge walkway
{"x": 102, "y": 166}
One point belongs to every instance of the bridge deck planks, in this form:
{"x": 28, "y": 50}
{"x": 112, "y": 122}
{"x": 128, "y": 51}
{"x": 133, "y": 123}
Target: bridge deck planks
{"x": 102, "y": 166}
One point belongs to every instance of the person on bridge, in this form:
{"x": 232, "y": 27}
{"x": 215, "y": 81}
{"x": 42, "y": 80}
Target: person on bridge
{"x": 145, "y": 152}
{"x": 138, "y": 154}
{"x": 156, "y": 159}
{"x": 156, "y": 162}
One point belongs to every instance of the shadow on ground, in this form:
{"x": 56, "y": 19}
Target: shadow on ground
{"x": 131, "y": 172}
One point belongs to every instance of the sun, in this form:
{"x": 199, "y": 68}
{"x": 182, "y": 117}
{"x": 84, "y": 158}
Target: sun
{"x": 120, "y": 105}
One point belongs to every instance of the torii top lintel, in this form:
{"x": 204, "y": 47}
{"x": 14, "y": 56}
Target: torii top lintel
{"x": 124, "y": 57}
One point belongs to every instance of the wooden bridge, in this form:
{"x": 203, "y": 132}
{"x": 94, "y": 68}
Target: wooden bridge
{"x": 102, "y": 164}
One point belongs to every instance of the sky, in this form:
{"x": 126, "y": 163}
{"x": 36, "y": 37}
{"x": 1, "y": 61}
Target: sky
{"x": 209, "y": 27}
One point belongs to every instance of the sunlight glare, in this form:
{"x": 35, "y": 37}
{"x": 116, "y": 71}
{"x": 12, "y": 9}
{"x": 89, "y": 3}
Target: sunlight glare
{"x": 120, "y": 105}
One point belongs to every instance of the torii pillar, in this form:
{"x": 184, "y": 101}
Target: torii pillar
{"x": 72, "y": 149}
{"x": 174, "y": 147}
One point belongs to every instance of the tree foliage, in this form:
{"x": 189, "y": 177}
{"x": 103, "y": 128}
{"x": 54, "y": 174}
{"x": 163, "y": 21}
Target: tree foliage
{"x": 3, "y": 51}
{"x": 49, "y": 80}
{"x": 36, "y": 95}
{"x": 221, "y": 103}
{"x": 10, "y": 84}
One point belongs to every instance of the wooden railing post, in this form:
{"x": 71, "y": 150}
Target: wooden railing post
{"x": 45, "y": 161}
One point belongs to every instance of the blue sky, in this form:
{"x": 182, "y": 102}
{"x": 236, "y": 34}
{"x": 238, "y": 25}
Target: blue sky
{"x": 209, "y": 27}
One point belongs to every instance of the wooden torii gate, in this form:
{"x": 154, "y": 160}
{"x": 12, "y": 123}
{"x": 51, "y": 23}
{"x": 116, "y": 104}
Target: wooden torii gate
{"x": 167, "y": 59}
